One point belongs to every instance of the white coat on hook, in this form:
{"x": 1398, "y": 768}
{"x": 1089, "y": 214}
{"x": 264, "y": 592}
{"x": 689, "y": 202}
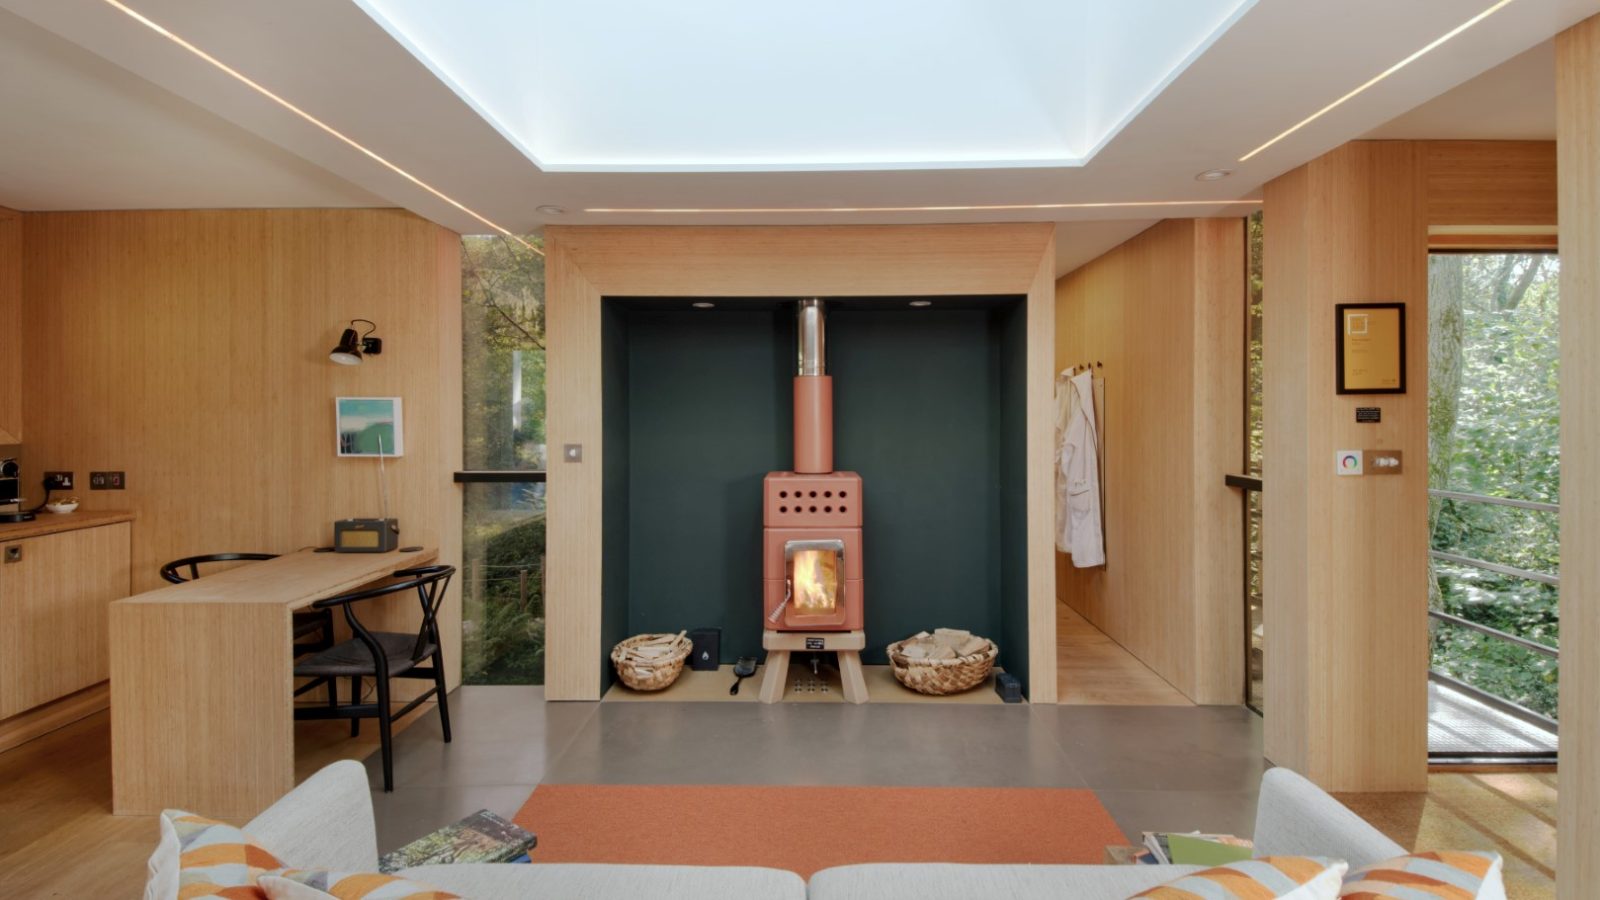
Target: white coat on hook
{"x": 1078, "y": 531}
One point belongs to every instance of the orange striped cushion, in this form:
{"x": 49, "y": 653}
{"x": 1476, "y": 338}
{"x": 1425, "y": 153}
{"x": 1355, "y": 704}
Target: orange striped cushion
{"x": 1446, "y": 874}
{"x": 318, "y": 884}
{"x": 1268, "y": 878}
{"x": 216, "y": 859}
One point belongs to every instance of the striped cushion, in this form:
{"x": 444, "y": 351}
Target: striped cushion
{"x": 1453, "y": 875}
{"x": 319, "y": 884}
{"x": 216, "y": 859}
{"x": 1268, "y": 878}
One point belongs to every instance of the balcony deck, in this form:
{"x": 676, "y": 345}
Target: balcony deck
{"x": 1459, "y": 724}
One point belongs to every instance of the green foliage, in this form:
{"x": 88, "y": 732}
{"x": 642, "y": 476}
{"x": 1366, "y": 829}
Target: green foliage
{"x": 504, "y": 413}
{"x": 1494, "y": 429}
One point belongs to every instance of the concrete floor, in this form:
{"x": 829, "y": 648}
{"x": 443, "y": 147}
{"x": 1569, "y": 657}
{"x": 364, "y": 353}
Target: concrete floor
{"x": 1166, "y": 768}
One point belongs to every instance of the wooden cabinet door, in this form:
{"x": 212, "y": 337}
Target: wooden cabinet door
{"x": 55, "y": 610}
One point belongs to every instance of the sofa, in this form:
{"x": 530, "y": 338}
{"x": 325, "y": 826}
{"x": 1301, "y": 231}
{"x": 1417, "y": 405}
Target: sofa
{"x": 327, "y": 822}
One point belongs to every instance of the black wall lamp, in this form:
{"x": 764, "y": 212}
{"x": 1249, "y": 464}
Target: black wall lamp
{"x": 351, "y": 347}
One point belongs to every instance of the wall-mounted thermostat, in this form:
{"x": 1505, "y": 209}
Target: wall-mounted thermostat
{"x": 1347, "y": 462}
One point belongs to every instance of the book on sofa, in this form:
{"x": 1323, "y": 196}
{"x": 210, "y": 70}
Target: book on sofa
{"x": 1196, "y": 849}
{"x": 482, "y": 837}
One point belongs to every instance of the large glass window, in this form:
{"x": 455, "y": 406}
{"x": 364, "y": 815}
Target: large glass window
{"x": 1494, "y": 476}
{"x": 1255, "y": 434}
{"x": 503, "y": 354}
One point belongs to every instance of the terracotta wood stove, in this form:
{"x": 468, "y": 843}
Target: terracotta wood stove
{"x": 812, "y": 564}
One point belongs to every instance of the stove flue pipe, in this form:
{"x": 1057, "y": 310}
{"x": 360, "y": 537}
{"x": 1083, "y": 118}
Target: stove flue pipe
{"x": 813, "y": 393}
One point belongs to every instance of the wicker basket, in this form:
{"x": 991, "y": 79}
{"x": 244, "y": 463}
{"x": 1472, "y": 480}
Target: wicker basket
{"x": 939, "y": 677}
{"x": 644, "y": 673}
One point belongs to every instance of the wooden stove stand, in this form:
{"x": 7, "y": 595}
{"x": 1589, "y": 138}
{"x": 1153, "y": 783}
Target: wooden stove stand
{"x": 848, "y": 644}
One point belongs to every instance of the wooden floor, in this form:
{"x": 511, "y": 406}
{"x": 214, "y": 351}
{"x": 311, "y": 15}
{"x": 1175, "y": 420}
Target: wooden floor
{"x": 1094, "y": 670}
{"x": 58, "y": 837}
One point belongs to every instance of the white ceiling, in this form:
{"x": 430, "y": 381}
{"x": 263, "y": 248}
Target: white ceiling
{"x": 1514, "y": 101}
{"x": 82, "y": 133}
{"x": 149, "y": 124}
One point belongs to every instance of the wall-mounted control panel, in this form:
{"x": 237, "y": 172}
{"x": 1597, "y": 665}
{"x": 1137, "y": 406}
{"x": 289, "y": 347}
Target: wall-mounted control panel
{"x": 1367, "y": 462}
{"x": 107, "y": 481}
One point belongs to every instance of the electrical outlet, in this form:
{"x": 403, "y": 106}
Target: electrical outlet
{"x": 58, "y": 481}
{"x": 107, "y": 481}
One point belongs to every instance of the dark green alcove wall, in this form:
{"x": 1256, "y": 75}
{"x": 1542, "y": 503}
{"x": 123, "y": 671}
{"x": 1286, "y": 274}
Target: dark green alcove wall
{"x": 928, "y": 407}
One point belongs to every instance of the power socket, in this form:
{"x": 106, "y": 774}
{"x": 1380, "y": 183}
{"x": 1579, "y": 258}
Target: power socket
{"x": 107, "y": 481}
{"x": 58, "y": 481}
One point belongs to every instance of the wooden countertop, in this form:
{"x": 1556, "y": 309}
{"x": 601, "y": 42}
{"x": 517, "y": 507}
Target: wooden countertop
{"x": 293, "y": 580}
{"x": 51, "y": 523}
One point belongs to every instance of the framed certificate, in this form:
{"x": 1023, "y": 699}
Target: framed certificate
{"x": 1371, "y": 348}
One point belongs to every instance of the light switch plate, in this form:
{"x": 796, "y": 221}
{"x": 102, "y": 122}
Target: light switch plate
{"x": 572, "y": 452}
{"x": 1347, "y": 462}
{"x": 1385, "y": 462}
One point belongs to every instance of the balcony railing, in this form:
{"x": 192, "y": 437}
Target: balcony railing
{"x": 1500, "y": 703}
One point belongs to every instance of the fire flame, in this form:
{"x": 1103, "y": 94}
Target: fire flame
{"x": 816, "y": 580}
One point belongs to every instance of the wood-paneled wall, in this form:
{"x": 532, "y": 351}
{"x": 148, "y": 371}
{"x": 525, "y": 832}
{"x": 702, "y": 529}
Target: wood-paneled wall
{"x": 585, "y": 264}
{"x": 1578, "y": 142}
{"x": 10, "y": 326}
{"x": 190, "y": 349}
{"x": 1165, "y": 314}
{"x": 1345, "y": 558}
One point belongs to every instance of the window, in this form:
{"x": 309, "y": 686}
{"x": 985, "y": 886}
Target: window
{"x": 1254, "y": 435}
{"x": 503, "y": 355}
{"x": 1494, "y": 479}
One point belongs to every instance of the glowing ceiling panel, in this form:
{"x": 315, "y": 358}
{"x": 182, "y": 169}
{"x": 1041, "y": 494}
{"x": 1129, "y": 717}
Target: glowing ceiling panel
{"x": 729, "y": 85}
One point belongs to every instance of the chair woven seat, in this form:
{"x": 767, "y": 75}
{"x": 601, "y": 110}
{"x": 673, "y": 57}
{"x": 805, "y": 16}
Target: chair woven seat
{"x": 353, "y": 658}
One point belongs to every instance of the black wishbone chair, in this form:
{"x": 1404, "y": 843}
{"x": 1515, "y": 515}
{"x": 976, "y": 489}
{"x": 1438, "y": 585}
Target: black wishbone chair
{"x": 313, "y": 628}
{"x": 383, "y": 655}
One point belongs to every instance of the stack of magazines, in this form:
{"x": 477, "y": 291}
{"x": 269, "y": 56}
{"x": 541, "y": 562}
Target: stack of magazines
{"x": 1194, "y": 849}
{"x": 482, "y": 837}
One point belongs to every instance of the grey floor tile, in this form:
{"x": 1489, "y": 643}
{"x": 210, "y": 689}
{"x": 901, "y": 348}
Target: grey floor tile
{"x": 410, "y": 813}
{"x": 1224, "y": 812}
{"x": 1200, "y": 748}
{"x": 728, "y": 743}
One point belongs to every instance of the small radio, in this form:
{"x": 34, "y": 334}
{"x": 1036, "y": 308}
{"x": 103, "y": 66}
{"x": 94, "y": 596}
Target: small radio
{"x": 366, "y": 535}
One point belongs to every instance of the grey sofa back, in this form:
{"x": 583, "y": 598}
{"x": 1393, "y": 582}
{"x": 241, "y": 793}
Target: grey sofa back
{"x": 1296, "y": 818}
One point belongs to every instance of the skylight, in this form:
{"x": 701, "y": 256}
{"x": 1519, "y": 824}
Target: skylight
{"x": 731, "y": 85}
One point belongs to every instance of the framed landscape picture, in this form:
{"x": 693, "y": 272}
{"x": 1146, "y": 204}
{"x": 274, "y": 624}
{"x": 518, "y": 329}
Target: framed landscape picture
{"x": 369, "y": 426}
{"x": 1371, "y": 348}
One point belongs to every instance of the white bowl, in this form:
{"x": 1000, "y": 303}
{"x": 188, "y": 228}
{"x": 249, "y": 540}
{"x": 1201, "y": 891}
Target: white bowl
{"x": 61, "y": 508}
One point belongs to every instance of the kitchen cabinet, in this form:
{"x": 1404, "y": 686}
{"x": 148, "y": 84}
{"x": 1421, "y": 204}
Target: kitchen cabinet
{"x": 56, "y": 589}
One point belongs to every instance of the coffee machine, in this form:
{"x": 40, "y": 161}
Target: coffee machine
{"x": 10, "y": 493}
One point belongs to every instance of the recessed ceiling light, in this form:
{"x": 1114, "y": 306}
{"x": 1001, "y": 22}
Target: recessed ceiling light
{"x": 1114, "y": 204}
{"x": 703, "y": 304}
{"x": 921, "y": 303}
{"x": 1213, "y": 175}
{"x": 550, "y": 210}
{"x": 1381, "y": 76}
{"x": 144, "y": 20}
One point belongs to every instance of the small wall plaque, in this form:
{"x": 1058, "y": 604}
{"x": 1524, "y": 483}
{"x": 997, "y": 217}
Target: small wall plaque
{"x": 1369, "y": 414}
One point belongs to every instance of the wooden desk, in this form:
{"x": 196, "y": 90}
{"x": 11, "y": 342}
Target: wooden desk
{"x": 202, "y": 684}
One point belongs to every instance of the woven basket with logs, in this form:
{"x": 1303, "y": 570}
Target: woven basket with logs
{"x": 947, "y": 661}
{"x": 650, "y": 662}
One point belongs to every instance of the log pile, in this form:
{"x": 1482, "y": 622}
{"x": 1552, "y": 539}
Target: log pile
{"x": 943, "y": 643}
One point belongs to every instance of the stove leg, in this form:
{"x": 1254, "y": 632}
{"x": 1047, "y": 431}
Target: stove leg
{"x": 776, "y": 676}
{"x": 855, "y": 683}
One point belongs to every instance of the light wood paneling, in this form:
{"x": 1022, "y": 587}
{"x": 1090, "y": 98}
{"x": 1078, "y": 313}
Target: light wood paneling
{"x": 189, "y": 349}
{"x": 1096, "y": 671}
{"x": 53, "y": 523}
{"x": 53, "y": 621}
{"x": 10, "y": 326}
{"x": 1578, "y": 133}
{"x": 1346, "y": 558}
{"x": 1165, "y": 312}
{"x": 583, "y": 264}
{"x": 202, "y": 681}
{"x": 1490, "y": 182}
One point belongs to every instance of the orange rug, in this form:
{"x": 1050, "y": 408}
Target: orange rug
{"x": 804, "y": 829}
